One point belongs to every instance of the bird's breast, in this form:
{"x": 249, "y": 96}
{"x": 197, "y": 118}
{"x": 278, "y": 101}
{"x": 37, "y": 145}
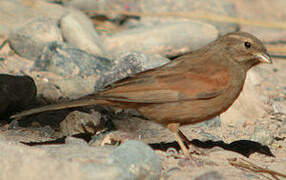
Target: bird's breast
{"x": 194, "y": 111}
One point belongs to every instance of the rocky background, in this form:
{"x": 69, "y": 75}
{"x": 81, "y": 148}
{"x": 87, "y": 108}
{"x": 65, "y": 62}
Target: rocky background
{"x": 56, "y": 50}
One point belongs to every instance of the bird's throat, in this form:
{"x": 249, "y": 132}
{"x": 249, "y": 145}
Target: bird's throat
{"x": 249, "y": 63}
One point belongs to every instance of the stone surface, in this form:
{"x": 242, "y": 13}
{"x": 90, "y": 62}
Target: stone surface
{"x": 84, "y": 162}
{"x": 262, "y": 135}
{"x": 75, "y": 87}
{"x": 137, "y": 160}
{"x": 29, "y": 40}
{"x": 129, "y": 64}
{"x": 16, "y": 13}
{"x": 258, "y": 115}
{"x": 80, "y": 84}
{"x": 79, "y": 123}
{"x": 243, "y": 108}
{"x": 78, "y": 31}
{"x": 170, "y": 39}
{"x": 68, "y": 62}
{"x": 212, "y": 175}
{"x": 16, "y": 93}
{"x": 204, "y": 10}
{"x": 214, "y": 122}
{"x": 22, "y": 162}
{"x": 270, "y": 22}
{"x": 80, "y": 69}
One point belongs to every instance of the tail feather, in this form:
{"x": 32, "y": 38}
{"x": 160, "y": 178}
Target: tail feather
{"x": 65, "y": 105}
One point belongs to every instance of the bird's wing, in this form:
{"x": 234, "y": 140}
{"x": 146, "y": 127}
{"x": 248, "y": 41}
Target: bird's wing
{"x": 180, "y": 80}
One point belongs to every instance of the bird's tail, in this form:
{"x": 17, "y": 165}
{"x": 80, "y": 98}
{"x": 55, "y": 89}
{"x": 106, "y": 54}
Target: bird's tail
{"x": 64, "y": 105}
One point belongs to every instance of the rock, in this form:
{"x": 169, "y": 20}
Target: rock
{"x": 141, "y": 62}
{"x": 16, "y": 13}
{"x": 270, "y": 23}
{"x": 129, "y": 64}
{"x": 34, "y": 163}
{"x": 214, "y": 122}
{"x": 95, "y": 5}
{"x": 16, "y": 133}
{"x": 44, "y": 19}
{"x": 266, "y": 34}
{"x": 48, "y": 91}
{"x": 137, "y": 161}
{"x": 76, "y": 87}
{"x": 73, "y": 140}
{"x": 29, "y": 40}
{"x": 15, "y": 65}
{"x": 84, "y": 81}
{"x": 249, "y": 105}
{"x": 206, "y": 136}
{"x": 17, "y": 92}
{"x": 170, "y": 39}
{"x": 78, "y": 31}
{"x": 70, "y": 62}
{"x": 85, "y": 162}
{"x": 211, "y": 175}
{"x": 204, "y": 10}
{"x": 79, "y": 123}
{"x": 262, "y": 135}
{"x": 79, "y": 69}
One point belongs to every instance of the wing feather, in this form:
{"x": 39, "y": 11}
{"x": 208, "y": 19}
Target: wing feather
{"x": 176, "y": 81}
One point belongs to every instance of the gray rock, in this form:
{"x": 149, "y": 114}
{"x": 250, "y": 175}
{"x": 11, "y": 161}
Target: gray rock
{"x": 75, "y": 87}
{"x": 222, "y": 27}
{"x": 17, "y": 92}
{"x": 262, "y": 135}
{"x": 79, "y": 84}
{"x": 205, "y": 136}
{"x": 129, "y": 64}
{"x": 103, "y": 172}
{"x": 214, "y": 122}
{"x": 16, "y": 13}
{"x": 73, "y": 140}
{"x": 34, "y": 163}
{"x": 70, "y": 62}
{"x": 78, "y": 31}
{"x": 269, "y": 28}
{"x": 79, "y": 122}
{"x": 170, "y": 39}
{"x": 265, "y": 34}
{"x": 204, "y": 10}
{"x": 80, "y": 69}
{"x": 93, "y": 162}
{"x": 48, "y": 91}
{"x": 211, "y": 175}
{"x": 137, "y": 161}
{"x": 91, "y": 4}
{"x": 29, "y": 40}
{"x": 243, "y": 108}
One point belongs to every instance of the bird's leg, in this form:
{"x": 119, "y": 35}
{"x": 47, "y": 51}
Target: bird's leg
{"x": 174, "y": 128}
{"x": 183, "y": 137}
{"x": 192, "y": 148}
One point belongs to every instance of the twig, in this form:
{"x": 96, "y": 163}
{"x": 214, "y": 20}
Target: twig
{"x": 3, "y": 44}
{"x": 242, "y": 163}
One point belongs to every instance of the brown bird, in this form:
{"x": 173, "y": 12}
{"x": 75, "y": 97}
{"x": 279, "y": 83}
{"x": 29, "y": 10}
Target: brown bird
{"x": 190, "y": 89}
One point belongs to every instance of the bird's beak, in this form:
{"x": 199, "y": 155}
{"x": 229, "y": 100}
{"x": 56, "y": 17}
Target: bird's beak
{"x": 264, "y": 57}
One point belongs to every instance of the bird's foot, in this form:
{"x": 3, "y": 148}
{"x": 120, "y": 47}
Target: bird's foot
{"x": 183, "y": 159}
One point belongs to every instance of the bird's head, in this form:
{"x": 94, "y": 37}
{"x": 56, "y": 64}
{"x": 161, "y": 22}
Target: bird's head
{"x": 245, "y": 49}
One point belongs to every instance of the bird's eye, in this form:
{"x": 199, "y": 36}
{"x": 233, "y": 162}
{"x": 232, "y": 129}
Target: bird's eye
{"x": 247, "y": 44}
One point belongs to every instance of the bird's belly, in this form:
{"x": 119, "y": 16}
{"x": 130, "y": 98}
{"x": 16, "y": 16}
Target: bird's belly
{"x": 187, "y": 112}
